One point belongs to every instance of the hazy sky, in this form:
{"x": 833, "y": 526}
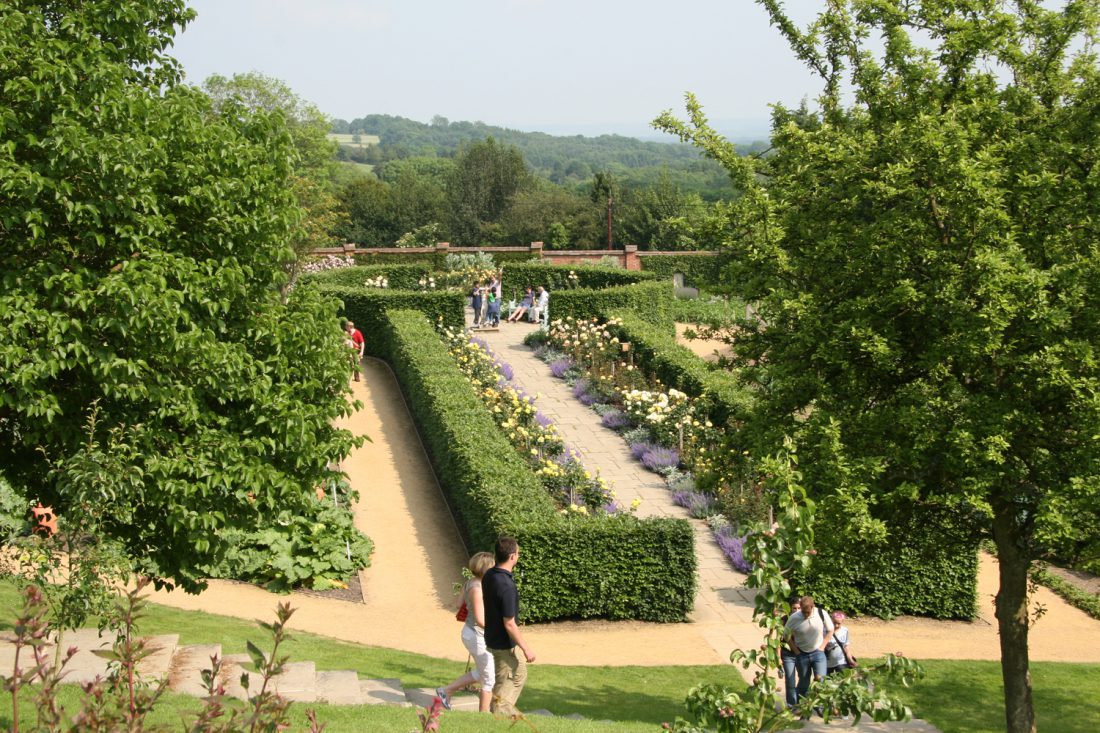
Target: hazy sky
{"x": 563, "y": 66}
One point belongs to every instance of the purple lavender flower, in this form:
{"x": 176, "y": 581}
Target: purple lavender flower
{"x": 682, "y": 498}
{"x": 506, "y": 371}
{"x": 580, "y": 387}
{"x": 733, "y": 548}
{"x": 482, "y": 343}
{"x": 659, "y": 457}
{"x": 612, "y": 507}
{"x": 637, "y": 450}
{"x": 588, "y": 399}
{"x": 615, "y": 420}
{"x": 543, "y": 420}
{"x": 559, "y": 367}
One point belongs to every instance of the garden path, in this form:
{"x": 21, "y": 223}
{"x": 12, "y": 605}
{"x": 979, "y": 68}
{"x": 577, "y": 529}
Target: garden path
{"x": 407, "y": 589}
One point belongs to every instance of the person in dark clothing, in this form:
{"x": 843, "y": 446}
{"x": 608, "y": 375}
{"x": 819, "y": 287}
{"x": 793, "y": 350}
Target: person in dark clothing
{"x": 502, "y": 633}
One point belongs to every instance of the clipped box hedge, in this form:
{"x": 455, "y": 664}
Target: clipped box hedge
{"x": 556, "y": 277}
{"x": 368, "y": 306}
{"x": 652, "y": 301}
{"x": 400, "y": 276}
{"x": 657, "y": 353}
{"x": 616, "y": 567}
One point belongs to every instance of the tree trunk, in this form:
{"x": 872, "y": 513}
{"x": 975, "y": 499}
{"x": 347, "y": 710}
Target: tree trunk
{"x": 1012, "y": 620}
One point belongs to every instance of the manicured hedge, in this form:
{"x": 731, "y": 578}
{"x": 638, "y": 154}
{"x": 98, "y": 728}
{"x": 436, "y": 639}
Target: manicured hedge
{"x": 368, "y": 306}
{"x": 926, "y": 566}
{"x": 657, "y": 352}
{"x": 697, "y": 269}
{"x": 400, "y": 276}
{"x": 652, "y": 301}
{"x": 571, "y": 567}
{"x": 556, "y": 277}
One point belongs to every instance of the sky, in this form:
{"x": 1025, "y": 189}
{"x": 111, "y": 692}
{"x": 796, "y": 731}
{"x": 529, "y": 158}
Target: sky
{"x": 560, "y": 66}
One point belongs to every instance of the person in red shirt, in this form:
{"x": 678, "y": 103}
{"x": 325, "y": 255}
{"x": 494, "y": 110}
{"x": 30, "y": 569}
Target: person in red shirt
{"x": 358, "y": 344}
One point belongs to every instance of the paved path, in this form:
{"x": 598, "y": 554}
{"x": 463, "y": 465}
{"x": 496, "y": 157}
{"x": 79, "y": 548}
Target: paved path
{"x": 723, "y": 605}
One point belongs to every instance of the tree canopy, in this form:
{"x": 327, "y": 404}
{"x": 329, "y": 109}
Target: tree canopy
{"x": 144, "y": 237}
{"x": 922, "y": 251}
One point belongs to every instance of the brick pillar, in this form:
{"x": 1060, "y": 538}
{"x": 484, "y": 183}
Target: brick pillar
{"x": 442, "y": 247}
{"x": 349, "y": 248}
{"x": 631, "y": 260}
{"x": 536, "y": 249}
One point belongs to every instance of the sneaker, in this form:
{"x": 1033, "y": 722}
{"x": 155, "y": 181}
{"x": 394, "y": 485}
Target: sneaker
{"x": 443, "y": 697}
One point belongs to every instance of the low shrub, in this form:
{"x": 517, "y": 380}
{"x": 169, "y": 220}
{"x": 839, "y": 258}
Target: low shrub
{"x": 560, "y": 368}
{"x": 705, "y": 269}
{"x": 399, "y": 276}
{"x": 698, "y": 505}
{"x": 651, "y": 301}
{"x": 368, "y": 306}
{"x": 658, "y": 457}
{"x": 656, "y": 352}
{"x": 615, "y": 419}
{"x": 1081, "y": 599}
{"x": 558, "y": 277}
{"x": 733, "y": 547}
{"x": 573, "y": 566}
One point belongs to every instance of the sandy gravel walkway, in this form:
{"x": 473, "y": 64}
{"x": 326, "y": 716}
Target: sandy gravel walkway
{"x": 408, "y": 601}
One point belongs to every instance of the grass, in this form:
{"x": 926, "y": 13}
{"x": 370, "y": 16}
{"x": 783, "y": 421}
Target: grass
{"x": 956, "y": 696}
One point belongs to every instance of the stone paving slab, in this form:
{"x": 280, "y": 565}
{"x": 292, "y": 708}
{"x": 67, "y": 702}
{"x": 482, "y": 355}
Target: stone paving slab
{"x": 385, "y": 691}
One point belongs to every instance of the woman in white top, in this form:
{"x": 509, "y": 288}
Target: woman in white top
{"x": 473, "y": 638}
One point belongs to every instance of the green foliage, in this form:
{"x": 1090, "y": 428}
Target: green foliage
{"x": 1077, "y": 597}
{"x": 922, "y": 250}
{"x": 368, "y": 307}
{"x": 657, "y": 353}
{"x": 486, "y": 178}
{"x": 400, "y": 276}
{"x": 714, "y": 313}
{"x": 698, "y": 270}
{"x": 919, "y": 560}
{"x": 144, "y": 238}
{"x": 650, "y": 300}
{"x": 557, "y": 277}
{"x": 573, "y": 566}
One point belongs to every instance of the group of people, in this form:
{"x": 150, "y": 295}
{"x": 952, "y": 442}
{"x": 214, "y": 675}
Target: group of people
{"x": 817, "y": 645}
{"x": 485, "y": 301}
{"x": 491, "y": 634}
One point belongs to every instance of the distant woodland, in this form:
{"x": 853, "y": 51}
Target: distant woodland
{"x": 406, "y": 183}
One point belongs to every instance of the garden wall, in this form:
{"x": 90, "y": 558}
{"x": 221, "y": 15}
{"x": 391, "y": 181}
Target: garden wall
{"x": 615, "y": 567}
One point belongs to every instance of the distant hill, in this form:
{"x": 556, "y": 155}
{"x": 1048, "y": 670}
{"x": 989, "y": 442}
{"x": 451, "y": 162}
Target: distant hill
{"x": 561, "y": 159}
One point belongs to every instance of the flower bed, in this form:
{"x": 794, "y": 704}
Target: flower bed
{"x": 606, "y": 565}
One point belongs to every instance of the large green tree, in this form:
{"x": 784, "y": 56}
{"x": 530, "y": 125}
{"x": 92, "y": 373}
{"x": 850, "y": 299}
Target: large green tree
{"x": 144, "y": 236}
{"x": 486, "y": 177}
{"x": 924, "y": 253}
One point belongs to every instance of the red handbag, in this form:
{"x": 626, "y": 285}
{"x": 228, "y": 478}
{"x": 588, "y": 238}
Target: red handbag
{"x": 463, "y": 612}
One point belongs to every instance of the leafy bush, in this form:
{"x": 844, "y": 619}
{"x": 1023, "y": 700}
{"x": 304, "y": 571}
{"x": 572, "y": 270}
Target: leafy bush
{"x": 656, "y": 352}
{"x": 1082, "y": 599}
{"x": 659, "y": 457}
{"x": 367, "y": 307}
{"x": 400, "y": 277}
{"x": 925, "y": 564}
{"x": 557, "y": 277}
{"x": 468, "y": 261}
{"x": 715, "y": 312}
{"x": 615, "y": 419}
{"x": 651, "y": 301}
{"x": 573, "y": 566}
{"x": 697, "y": 269}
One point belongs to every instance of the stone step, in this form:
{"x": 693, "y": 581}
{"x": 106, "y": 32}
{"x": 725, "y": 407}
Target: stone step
{"x": 423, "y": 697}
{"x": 298, "y": 682}
{"x": 157, "y": 665}
{"x": 85, "y": 666}
{"x": 233, "y": 669}
{"x": 383, "y": 692}
{"x": 185, "y": 674}
{"x": 339, "y": 687}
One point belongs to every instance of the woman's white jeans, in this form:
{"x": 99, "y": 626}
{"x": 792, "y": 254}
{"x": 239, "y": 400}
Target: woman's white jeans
{"x": 475, "y": 644}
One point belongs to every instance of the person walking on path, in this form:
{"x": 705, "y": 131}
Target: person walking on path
{"x": 789, "y": 658}
{"x": 359, "y": 344}
{"x": 502, "y": 634}
{"x": 811, "y": 631}
{"x": 473, "y": 638}
{"x": 838, "y": 653}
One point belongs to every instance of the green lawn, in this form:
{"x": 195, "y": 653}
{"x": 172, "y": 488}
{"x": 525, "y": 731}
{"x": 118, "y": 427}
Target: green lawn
{"x": 958, "y": 697}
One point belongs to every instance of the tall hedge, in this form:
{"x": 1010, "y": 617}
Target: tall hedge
{"x": 434, "y": 260}
{"x": 697, "y": 269}
{"x": 926, "y": 565}
{"x": 556, "y": 277}
{"x": 572, "y": 567}
{"x": 657, "y": 353}
{"x": 368, "y": 306}
{"x": 400, "y": 276}
{"x": 652, "y": 301}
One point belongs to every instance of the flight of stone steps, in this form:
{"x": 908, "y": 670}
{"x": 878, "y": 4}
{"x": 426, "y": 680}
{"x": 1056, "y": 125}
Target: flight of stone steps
{"x": 183, "y": 665}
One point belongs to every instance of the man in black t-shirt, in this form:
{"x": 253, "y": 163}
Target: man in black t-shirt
{"x": 502, "y": 634}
